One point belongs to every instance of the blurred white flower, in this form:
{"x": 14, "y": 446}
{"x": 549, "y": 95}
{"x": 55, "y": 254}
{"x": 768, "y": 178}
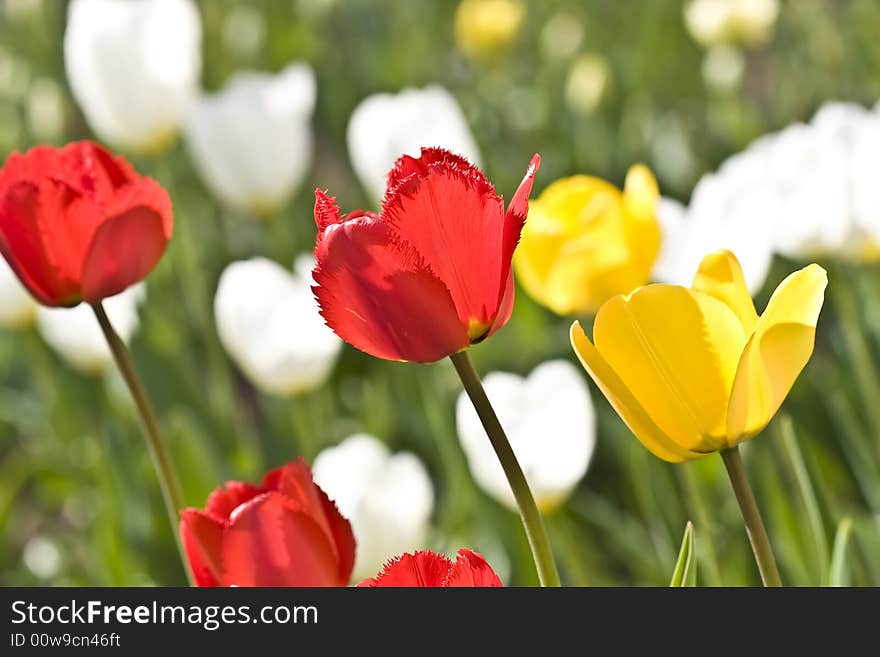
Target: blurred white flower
{"x": 723, "y": 214}
{"x": 550, "y": 423}
{"x": 750, "y": 22}
{"x": 723, "y": 67}
{"x": 586, "y": 84}
{"x": 385, "y": 126}
{"x": 42, "y": 557}
{"x": 75, "y": 335}
{"x": 387, "y": 498}
{"x": 269, "y": 324}
{"x": 133, "y": 67}
{"x": 807, "y": 191}
{"x": 17, "y": 307}
{"x": 252, "y": 141}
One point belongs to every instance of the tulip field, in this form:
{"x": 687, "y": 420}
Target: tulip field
{"x": 472, "y": 293}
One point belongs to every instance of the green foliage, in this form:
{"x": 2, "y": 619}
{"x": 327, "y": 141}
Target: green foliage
{"x": 73, "y": 468}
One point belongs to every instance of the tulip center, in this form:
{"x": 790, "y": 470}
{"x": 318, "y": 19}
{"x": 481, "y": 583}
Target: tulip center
{"x": 478, "y": 331}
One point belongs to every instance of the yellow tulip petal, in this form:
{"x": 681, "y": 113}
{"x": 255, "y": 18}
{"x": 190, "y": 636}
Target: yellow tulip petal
{"x": 640, "y": 195}
{"x": 776, "y": 353}
{"x": 622, "y": 400}
{"x": 640, "y": 190}
{"x": 538, "y": 251}
{"x": 576, "y": 201}
{"x": 721, "y": 276}
{"x": 676, "y": 350}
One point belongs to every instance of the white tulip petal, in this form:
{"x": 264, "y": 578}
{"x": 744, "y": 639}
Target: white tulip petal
{"x": 75, "y": 335}
{"x": 252, "y": 141}
{"x": 549, "y": 420}
{"x": 17, "y": 306}
{"x": 807, "y": 191}
{"x": 133, "y": 67}
{"x": 268, "y": 322}
{"x": 385, "y": 126}
{"x": 387, "y": 498}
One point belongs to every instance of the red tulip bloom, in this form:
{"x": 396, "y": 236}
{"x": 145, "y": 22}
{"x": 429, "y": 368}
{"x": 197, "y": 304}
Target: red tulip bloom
{"x": 77, "y": 223}
{"x": 431, "y": 569}
{"x": 285, "y": 532}
{"x": 430, "y": 274}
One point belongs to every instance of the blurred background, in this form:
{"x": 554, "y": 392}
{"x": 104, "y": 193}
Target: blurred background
{"x": 594, "y": 86}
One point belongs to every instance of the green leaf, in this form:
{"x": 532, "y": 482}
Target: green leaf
{"x": 839, "y": 569}
{"x": 685, "y": 573}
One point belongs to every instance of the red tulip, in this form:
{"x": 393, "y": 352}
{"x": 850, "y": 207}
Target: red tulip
{"x": 432, "y": 569}
{"x": 285, "y": 532}
{"x": 77, "y": 223}
{"x": 430, "y": 274}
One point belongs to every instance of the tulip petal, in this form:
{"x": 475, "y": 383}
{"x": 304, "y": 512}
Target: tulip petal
{"x": 640, "y": 196}
{"x": 418, "y": 569}
{"x": 223, "y": 500}
{"x": 677, "y": 351}
{"x": 453, "y": 218}
{"x": 127, "y": 246}
{"x": 21, "y": 242}
{"x": 471, "y": 569}
{"x": 721, "y": 276}
{"x": 378, "y": 294}
{"x": 202, "y": 538}
{"x": 296, "y": 482}
{"x": 776, "y": 353}
{"x": 622, "y": 400}
{"x": 514, "y": 220}
{"x": 270, "y": 543}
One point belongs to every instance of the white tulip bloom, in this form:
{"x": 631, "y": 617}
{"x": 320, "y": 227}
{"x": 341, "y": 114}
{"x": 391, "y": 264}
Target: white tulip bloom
{"x": 385, "y": 126}
{"x": 723, "y": 214}
{"x": 807, "y": 191}
{"x": 252, "y": 141}
{"x": 549, "y": 420}
{"x": 17, "y": 307}
{"x": 133, "y": 67}
{"x": 388, "y": 498}
{"x": 74, "y": 333}
{"x": 268, "y": 322}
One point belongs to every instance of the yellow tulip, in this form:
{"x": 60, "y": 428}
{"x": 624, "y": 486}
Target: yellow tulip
{"x": 486, "y": 27}
{"x": 694, "y": 371}
{"x": 586, "y": 241}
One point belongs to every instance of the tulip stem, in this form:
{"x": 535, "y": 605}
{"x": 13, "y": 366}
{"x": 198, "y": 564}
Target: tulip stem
{"x": 752, "y": 517}
{"x": 531, "y": 517}
{"x": 157, "y": 447}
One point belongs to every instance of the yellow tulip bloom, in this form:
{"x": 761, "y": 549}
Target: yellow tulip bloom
{"x": 586, "y": 241}
{"x": 694, "y": 371}
{"x": 484, "y": 28}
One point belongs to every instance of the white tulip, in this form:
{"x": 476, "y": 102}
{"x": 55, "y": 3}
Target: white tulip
{"x": 387, "y": 498}
{"x": 385, "y": 126}
{"x": 549, "y": 420}
{"x": 133, "y": 67}
{"x": 269, "y": 324}
{"x": 252, "y": 141}
{"x": 74, "y": 333}
{"x": 17, "y": 306}
{"x": 723, "y": 214}
{"x": 807, "y": 191}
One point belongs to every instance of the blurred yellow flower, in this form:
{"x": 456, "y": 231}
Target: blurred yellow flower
{"x": 485, "y": 27}
{"x": 585, "y": 241}
{"x": 694, "y": 371}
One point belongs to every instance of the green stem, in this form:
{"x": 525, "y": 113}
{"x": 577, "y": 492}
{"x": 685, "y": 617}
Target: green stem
{"x": 531, "y": 517}
{"x": 752, "y": 517}
{"x": 158, "y": 450}
{"x": 706, "y": 546}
